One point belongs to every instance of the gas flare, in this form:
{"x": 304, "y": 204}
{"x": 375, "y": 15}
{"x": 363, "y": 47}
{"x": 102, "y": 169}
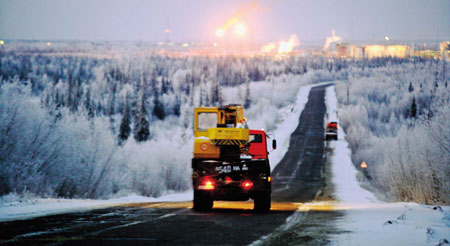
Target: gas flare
{"x": 330, "y": 40}
{"x": 284, "y": 47}
{"x": 287, "y": 47}
{"x": 220, "y": 32}
{"x": 240, "y": 14}
{"x": 268, "y": 47}
{"x": 240, "y": 30}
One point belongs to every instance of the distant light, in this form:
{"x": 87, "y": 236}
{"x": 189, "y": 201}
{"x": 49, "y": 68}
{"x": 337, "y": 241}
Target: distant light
{"x": 240, "y": 30}
{"x": 215, "y": 44}
{"x": 387, "y": 38}
{"x": 167, "y": 31}
{"x": 185, "y": 45}
{"x": 363, "y": 164}
{"x": 220, "y": 32}
{"x": 2, "y": 42}
{"x": 48, "y": 43}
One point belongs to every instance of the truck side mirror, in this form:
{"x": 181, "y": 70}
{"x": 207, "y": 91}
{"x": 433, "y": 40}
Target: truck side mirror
{"x": 274, "y": 144}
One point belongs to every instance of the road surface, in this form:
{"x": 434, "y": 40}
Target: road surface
{"x": 297, "y": 179}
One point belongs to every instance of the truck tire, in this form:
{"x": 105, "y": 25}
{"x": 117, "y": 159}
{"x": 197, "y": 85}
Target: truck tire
{"x": 202, "y": 201}
{"x": 262, "y": 203}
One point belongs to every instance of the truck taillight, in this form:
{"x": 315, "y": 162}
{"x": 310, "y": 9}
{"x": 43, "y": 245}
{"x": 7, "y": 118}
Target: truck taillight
{"x": 228, "y": 180}
{"x": 247, "y": 184}
{"x": 206, "y": 185}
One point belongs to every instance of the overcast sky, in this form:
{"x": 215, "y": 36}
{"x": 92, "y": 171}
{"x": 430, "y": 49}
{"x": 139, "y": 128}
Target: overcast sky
{"x": 197, "y": 20}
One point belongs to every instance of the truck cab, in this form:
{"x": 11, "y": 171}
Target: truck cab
{"x": 331, "y": 131}
{"x": 258, "y": 144}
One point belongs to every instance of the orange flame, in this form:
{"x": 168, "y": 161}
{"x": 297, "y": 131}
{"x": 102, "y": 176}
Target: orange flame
{"x": 287, "y": 47}
{"x": 241, "y": 12}
{"x": 220, "y": 32}
{"x": 284, "y": 47}
{"x": 268, "y": 48}
{"x": 240, "y": 30}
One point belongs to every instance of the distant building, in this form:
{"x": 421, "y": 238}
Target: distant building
{"x": 357, "y": 52}
{"x": 342, "y": 49}
{"x": 429, "y": 54}
{"x": 445, "y": 50}
{"x": 375, "y": 51}
{"x": 400, "y": 51}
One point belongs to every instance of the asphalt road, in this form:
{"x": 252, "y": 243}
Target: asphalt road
{"x": 297, "y": 179}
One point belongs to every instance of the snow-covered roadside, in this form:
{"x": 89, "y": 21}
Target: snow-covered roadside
{"x": 370, "y": 221}
{"x": 31, "y": 208}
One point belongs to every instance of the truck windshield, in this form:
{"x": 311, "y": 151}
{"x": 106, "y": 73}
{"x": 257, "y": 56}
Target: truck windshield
{"x": 255, "y": 138}
{"x": 206, "y": 120}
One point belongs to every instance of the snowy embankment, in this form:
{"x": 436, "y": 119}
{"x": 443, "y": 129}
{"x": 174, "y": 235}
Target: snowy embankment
{"x": 373, "y": 222}
{"x": 30, "y": 208}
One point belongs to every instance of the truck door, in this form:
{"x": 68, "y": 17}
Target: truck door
{"x": 257, "y": 147}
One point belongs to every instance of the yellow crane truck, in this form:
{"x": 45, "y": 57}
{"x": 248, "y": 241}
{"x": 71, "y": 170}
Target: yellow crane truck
{"x": 223, "y": 167}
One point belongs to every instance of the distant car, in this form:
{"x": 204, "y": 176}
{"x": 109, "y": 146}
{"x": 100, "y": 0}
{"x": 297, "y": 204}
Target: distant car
{"x": 331, "y": 131}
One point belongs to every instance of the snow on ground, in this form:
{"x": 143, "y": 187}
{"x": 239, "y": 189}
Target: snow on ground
{"x": 17, "y": 209}
{"x": 373, "y": 222}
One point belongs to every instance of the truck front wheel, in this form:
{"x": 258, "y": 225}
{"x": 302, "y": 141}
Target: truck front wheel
{"x": 262, "y": 202}
{"x": 202, "y": 201}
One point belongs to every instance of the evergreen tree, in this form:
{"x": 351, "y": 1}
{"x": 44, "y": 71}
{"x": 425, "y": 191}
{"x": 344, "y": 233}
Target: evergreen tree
{"x": 141, "y": 128}
{"x": 413, "y": 108}
{"x": 88, "y": 104}
{"x": 158, "y": 108}
{"x": 164, "y": 85}
{"x": 215, "y": 94}
{"x": 410, "y": 88}
{"x": 154, "y": 81}
{"x": 247, "y": 100}
{"x": 125, "y": 129}
{"x": 177, "y": 107}
{"x": 112, "y": 111}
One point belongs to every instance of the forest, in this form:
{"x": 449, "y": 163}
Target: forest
{"x": 100, "y": 120}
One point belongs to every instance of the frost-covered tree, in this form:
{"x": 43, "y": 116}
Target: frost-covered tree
{"x": 125, "y": 129}
{"x": 216, "y": 95}
{"x": 247, "y": 100}
{"x": 141, "y": 125}
{"x": 158, "y": 108}
{"x": 410, "y": 87}
{"x": 413, "y": 108}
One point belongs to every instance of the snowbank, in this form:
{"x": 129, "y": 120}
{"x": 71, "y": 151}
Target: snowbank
{"x": 30, "y": 208}
{"x": 370, "y": 221}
